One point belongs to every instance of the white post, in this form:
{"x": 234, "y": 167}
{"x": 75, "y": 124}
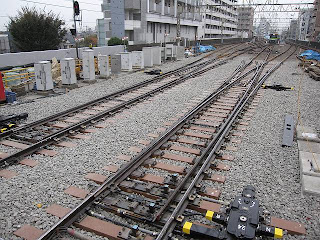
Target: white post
{"x": 43, "y": 76}
{"x": 162, "y": 7}
{"x": 68, "y": 71}
{"x": 103, "y": 64}
{"x": 88, "y": 65}
{"x": 148, "y": 6}
{"x": 175, "y": 7}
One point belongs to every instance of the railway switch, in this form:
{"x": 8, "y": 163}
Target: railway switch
{"x": 10, "y": 121}
{"x": 242, "y": 220}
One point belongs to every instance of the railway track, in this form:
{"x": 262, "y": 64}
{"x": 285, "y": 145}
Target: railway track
{"x": 188, "y": 158}
{"x": 36, "y": 136}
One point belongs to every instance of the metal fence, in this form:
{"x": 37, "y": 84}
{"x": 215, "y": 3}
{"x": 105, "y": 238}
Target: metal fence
{"x": 18, "y": 76}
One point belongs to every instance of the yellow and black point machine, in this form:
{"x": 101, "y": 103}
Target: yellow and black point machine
{"x": 243, "y": 219}
{"x": 10, "y": 121}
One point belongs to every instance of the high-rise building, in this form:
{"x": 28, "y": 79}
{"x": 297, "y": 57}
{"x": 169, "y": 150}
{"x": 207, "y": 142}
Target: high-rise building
{"x": 316, "y": 21}
{"x": 245, "y": 21}
{"x": 155, "y": 21}
{"x": 293, "y": 30}
{"x": 305, "y": 24}
{"x": 263, "y": 29}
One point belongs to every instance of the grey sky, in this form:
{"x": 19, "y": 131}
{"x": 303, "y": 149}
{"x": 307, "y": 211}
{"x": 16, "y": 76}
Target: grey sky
{"x": 10, "y": 8}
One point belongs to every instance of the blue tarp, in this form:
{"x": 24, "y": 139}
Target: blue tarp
{"x": 311, "y": 55}
{"x": 203, "y": 49}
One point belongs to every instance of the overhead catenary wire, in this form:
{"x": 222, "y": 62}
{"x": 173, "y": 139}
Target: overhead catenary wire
{"x": 56, "y": 5}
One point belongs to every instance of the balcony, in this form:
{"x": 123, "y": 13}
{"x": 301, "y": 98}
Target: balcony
{"x": 132, "y": 24}
{"x": 132, "y": 4}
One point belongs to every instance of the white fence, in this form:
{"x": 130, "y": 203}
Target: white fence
{"x": 23, "y": 58}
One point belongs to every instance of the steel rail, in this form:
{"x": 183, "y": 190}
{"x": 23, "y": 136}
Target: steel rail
{"x": 80, "y": 125}
{"x": 109, "y": 96}
{"x": 203, "y": 162}
{"x": 111, "y": 184}
{"x": 210, "y": 153}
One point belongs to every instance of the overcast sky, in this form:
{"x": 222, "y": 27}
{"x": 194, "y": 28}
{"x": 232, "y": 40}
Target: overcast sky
{"x": 10, "y": 8}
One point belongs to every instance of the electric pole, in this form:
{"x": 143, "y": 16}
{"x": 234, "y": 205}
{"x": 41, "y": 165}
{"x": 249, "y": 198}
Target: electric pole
{"x": 178, "y": 25}
{"x": 222, "y": 25}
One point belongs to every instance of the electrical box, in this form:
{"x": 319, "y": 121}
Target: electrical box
{"x": 116, "y": 63}
{"x": 126, "y": 61}
{"x": 148, "y": 56}
{"x": 68, "y": 71}
{"x": 169, "y": 51}
{"x": 103, "y": 64}
{"x": 88, "y": 65}
{"x": 137, "y": 59}
{"x": 180, "y": 52}
{"x": 43, "y": 76}
{"x": 156, "y": 55}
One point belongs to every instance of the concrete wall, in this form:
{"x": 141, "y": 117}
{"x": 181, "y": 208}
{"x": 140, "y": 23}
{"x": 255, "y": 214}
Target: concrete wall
{"x": 306, "y": 44}
{"x": 25, "y": 58}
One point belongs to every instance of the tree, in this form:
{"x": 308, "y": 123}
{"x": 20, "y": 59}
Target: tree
{"x": 36, "y": 30}
{"x": 89, "y": 40}
{"x": 117, "y": 41}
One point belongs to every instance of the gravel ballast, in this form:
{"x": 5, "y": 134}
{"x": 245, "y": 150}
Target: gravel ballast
{"x": 46, "y": 182}
{"x": 273, "y": 170}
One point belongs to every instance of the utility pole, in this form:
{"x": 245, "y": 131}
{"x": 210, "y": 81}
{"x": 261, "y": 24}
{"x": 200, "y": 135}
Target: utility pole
{"x": 222, "y": 25}
{"x": 178, "y": 24}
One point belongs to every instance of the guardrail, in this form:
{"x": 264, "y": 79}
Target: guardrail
{"x": 18, "y": 76}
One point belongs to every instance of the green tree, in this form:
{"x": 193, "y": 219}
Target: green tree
{"x": 36, "y": 30}
{"x": 116, "y": 41}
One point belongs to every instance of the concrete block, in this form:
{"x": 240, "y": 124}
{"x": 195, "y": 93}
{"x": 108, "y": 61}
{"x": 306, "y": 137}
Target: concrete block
{"x": 137, "y": 59}
{"x": 169, "y": 51}
{"x": 307, "y": 133}
{"x": 156, "y": 55}
{"x": 309, "y": 163}
{"x": 43, "y": 76}
{"x": 148, "y": 56}
{"x": 68, "y": 71}
{"x": 308, "y": 146}
{"x": 180, "y": 53}
{"x": 116, "y": 63}
{"x": 126, "y": 61}
{"x": 103, "y": 65}
{"x": 88, "y": 65}
{"x": 311, "y": 185}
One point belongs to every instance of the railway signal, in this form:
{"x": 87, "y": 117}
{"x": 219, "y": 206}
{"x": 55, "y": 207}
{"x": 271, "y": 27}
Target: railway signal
{"x": 76, "y": 8}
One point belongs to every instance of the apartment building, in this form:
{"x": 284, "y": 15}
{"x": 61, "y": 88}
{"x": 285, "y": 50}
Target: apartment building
{"x": 316, "y": 21}
{"x": 306, "y": 24}
{"x": 219, "y": 19}
{"x": 245, "y": 21}
{"x": 149, "y": 21}
{"x": 293, "y": 30}
{"x": 263, "y": 29}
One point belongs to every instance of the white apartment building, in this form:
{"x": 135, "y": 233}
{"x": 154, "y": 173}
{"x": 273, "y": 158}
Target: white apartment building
{"x": 220, "y": 19}
{"x": 149, "y": 21}
{"x": 305, "y": 24}
{"x": 155, "y": 21}
{"x": 245, "y": 21}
